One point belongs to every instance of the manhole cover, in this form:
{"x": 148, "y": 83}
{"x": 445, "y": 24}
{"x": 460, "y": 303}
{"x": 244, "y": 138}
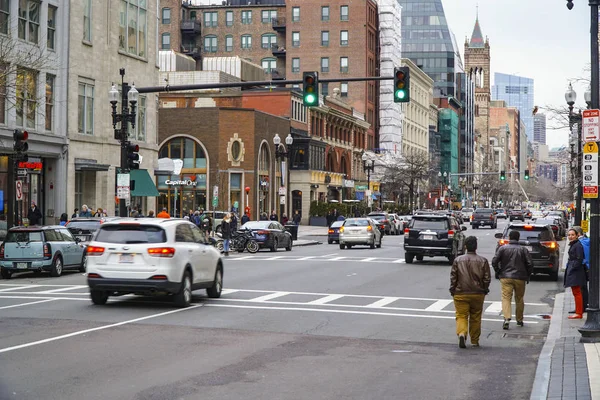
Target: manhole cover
{"x": 526, "y": 336}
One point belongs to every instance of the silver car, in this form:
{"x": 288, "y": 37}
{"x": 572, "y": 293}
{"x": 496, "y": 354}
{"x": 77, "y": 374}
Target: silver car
{"x": 363, "y": 231}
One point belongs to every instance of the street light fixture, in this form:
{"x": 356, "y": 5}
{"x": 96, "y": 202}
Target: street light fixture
{"x": 571, "y": 97}
{"x": 588, "y": 96}
{"x": 445, "y": 175}
{"x": 282, "y": 153}
{"x": 368, "y": 168}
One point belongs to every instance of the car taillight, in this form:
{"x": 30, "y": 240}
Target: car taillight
{"x": 341, "y": 230}
{"x": 94, "y": 251}
{"x": 92, "y": 275}
{"x": 159, "y": 278}
{"x": 502, "y": 242}
{"x": 330, "y": 231}
{"x": 450, "y": 234}
{"x": 167, "y": 252}
{"x": 549, "y": 244}
{"x": 262, "y": 232}
{"x": 47, "y": 250}
{"x": 528, "y": 227}
{"x": 2, "y": 250}
{"x": 406, "y": 232}
{"x": 369, "y": 228}
{"x": 471, "y": 218}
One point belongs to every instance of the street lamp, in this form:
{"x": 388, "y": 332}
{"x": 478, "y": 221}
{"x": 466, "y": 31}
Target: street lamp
{"x": 588, "y": 96}
{"x": 127, "y": 115}
{"x": 571, "y": 97}
{"x": 282, "y": 153}
{"x": 445, "y": 175}
{"x": 368, "y": 168}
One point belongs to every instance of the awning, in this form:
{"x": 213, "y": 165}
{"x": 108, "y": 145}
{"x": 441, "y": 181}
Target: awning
{"x": 84, "y": 164}
{"x": 144, "y": 185}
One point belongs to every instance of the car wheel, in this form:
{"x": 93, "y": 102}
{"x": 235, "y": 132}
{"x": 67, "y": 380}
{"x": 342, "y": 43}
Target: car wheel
{"x": 183, "y": 298}
{"x": 5, "y": 273}
{"x": 83, "y": 261}
{"x": 289, "y": 247}
{"x": 409, "y": 258}
{"x": 275, "y": 245}
{"x": 342, "y": 246}
{"x": 99, "y": 297}
{"x": 349, "y": 246}
{"x": 419, "y": 258}
{"x": 379, "y": 244}
{"x": 57, "y": 267}
{"x": 329, "y": 241}
{"x": 214, "y": 292}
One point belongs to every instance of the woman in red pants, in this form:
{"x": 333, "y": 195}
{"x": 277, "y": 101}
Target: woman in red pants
{"x": 575, "y": 273}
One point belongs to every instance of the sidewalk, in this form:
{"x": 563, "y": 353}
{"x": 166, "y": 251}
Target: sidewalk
{"x": 307, "y": 233}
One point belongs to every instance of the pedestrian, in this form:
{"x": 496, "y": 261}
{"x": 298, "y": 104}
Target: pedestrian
{"x": 245, "y": 218}
{"x": 284, "y": 219}
{"x": 226, "y": 233}
{"x": 297, "y": 218}
{"x": 85, "y": 212}
{"x": 513, "y": 266}
{"x": 34, "y": 215}
{"x": 163, "y": 213}
{"x": 207, "y": 224}
{"x": 234, "y": 222}
{"x": 150, "y": 214}
{"x": 263, "y": 216}
{"x": 469, "y": 283}
{"x": 575, "y": 272}
{"x": 64, "y": 217}
{"x": 273, "y": 216}
{"x": 75, "y": 213}
{"x": 99, "y": 213}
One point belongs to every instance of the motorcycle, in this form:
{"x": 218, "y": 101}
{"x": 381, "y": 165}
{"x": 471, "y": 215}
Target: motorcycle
{"x": 243, "y": 240}
{"x": 217, "y": 243}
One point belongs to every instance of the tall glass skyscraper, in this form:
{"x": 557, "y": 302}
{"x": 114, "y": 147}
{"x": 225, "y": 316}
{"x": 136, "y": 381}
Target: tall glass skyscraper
{"x": 516, "y": 91}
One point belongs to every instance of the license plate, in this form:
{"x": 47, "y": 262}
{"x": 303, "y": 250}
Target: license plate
{"x": 529, "y": 248}
{"x": 427, "y": 237}
{"x": 126, "y": 258}
{"x": 22, "y": 265}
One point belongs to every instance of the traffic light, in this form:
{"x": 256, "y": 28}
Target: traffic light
{"x": 401, "y": 85}
{"x": 310, "y": 88}
{"x": 133, "y": 157}
{"x": 20, "y": 145}
{"x": 502, "y": 175}
{"x": 526, "y": 175}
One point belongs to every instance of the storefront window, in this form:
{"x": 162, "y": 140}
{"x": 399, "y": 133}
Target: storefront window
{"x": 235, "y": 189}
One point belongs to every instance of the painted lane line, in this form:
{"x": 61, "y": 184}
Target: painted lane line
{"x": 240, "y": 258}
{"x": 383, "y": 302}
{"x": 399, "y": 261}
{"x": 27, "y": 304}
{"x": 228, "y": 291}
{"x": 326, "y": 299}
{"x": 19, "y": 288}
{"x": 98, "y": 328}
{"x": 368, "y": 259}
{"x": 64, "y": 289}
{"x": 336, "y": 259}
{"x": 306, "y": 258}
{"x": 494, "y": 308}
{"x": 273, "y": 258}
{"x": 329, "y": 255}
{"x": 62, "y": 293}
{"x": 269, "y": 296}
{"x": 439, "y": 305}
{"x": 41, "y": 297}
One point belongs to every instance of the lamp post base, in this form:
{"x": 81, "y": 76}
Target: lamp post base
{"x": 590, "y": 331}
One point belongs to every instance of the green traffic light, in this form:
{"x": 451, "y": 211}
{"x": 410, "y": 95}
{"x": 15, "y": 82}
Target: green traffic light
{"x": 400, "y": 94}
{"x": 310, "y": 99}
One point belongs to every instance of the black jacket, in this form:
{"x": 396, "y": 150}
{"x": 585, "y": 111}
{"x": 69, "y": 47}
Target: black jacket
{"x": 225, "y": 230}
{"x": 513, "y": 261}
{"x": 575, "y": 272}
{"x": 34, "y": 216}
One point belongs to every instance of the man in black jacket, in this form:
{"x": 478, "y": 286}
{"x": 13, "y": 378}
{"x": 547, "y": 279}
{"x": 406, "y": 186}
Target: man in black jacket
{"x": 513, "y": 266}
{"x": 34, "y": 215}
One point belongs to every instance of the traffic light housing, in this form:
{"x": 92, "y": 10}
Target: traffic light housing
{"x": 133, "y": 157}
{"x": 401, "y": 85}
{"x": 20, "y": 145}
{"x": 502, "y": 175}
{"x": 526, "y": 175}
{"x": 310, "y": 88}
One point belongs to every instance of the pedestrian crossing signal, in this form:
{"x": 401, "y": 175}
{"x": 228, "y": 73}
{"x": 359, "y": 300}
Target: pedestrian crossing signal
{"x": 133, "y": 158}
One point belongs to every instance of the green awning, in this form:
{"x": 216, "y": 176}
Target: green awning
{"x": 144, "y": 185}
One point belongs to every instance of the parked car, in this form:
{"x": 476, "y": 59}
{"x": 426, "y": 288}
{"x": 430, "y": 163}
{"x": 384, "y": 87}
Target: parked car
{"x": 433, "y": 235}
{"x": 516, "y": 214}
{"x": 83, "y": 228}
{"x": 555, "y": 224}
{"x": 360, "y": 231}
{"x": 270, "y": 234}
{"x": 527, "y": 214}
{"x": 398, "y": 223}
{"x": 560, "y": 214}
{"x": 405, "y": 219}
{"x": 539, "y": 240}
{"x": 384, "y": 218}
{"x": 483, "y": 217}
{"x": 466, "y": 213}
{"x": 500, "y": 213}
{"x": 333, "y": 234}
{"x": 40, "y": 248}
{"x": 152, "y": 256}
{"x": 217, "y": 218}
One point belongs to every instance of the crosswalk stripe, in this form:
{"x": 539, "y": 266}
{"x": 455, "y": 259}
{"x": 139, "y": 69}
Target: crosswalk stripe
{"x": 19, "y": 288}
{"x": 306, "y": 258}
{"x": 369, "y": 259}
{"x": 336, "y": 259}
{"x": 383, "y": 302}
{"x": 399, "y": 261}
{"x": 269, "y": 296}
{"x": 438, "y": 305}
{"x": 494, "y": 308}
{"x": 65, "y": 289}
{"x": 326, "y": 299}
{"x": 228, "y": 291}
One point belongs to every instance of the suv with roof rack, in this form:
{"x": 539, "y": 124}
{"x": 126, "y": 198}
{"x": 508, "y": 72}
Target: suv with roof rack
{"x": 433, "y": 235}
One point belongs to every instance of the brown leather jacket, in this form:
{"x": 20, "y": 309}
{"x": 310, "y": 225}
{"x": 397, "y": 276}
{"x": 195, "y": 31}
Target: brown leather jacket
{"x": 470, "y": 274}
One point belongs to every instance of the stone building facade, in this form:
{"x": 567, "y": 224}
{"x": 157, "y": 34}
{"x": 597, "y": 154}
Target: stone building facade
{"x": 417, "y": 117}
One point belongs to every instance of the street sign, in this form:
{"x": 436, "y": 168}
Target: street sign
{"x": 215, "y": 191}
{"x": 22, "y": 172}
{"x": 215, "y": 201}
{"x": 584, "y": 225}
{"x": 123, "y": 192}
{"x": 591, "y": 126}
{"x": 19, "y": 190}
{"x": 590, "y": 170}
{"x": 123, "y": 180}
{"x": 282, "y": 191}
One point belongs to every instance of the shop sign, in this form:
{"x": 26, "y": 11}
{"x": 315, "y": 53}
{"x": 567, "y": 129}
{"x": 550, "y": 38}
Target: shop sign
{"x": 37, "y": 165}
{"x": 348, "y": 183}
{"x": 361, "y": 187}
{"x": 185, "y": 182}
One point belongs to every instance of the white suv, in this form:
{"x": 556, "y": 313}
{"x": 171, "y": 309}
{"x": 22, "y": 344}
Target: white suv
{"x": 152, "y": 257}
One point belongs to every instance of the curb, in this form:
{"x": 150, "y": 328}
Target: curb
{"x": 311, "y": 243}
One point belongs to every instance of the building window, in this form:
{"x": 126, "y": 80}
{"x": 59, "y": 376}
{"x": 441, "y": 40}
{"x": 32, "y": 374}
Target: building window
{"x": 344, "y": 64}
{"x": 246, "y": 42}
{"x": 210, "y": 44}
{"x": 85, "y": 109}
{"x": 166, "y": 15}
{"x": 295, "y": 65}
{"x": 5, "y": 16}
{"x": 344, "y": 89}
{"x": 29, "y": 20}
{"x": 228, "y": 43}
{"x": 269, "y": 64}
{"x": 295, "y": 39}
{"x": 49, "y": 101}
{"x": 344, "y": 38}
{"x": 268, "y": 16}
{"x": 295, "y": 14}
{"x": 325, "y": 38}
{"x": 324, "y": 64}
{"x": 166, "y": 41}
{"x": 246, "y": 17}
{"x": 325, "y": 89}
{"x": 268, "y": 40}
{"x": 210, "y": 19}
{"x": 228, "y": 18}
{"x": 3, "y": 73}
{"x": 235, "y": 189}
{"x": 325, "y": 13}
{"x": 26, "y": 101}
{"x": 133, "y": 27}
{"x": 51, "y": 27}
{"x": 344, "y": 13}
{"x": 87, "y": 20}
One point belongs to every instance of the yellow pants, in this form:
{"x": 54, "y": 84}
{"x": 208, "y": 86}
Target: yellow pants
{"x": 468, "y": 315}
{"x": 508, "y": 287}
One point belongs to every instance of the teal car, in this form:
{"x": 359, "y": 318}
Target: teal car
{"x": 40, "y": 248}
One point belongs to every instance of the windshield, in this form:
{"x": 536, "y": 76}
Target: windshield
{"x": 377, "y": 217}
{"x": 131, "y": 234}
{"x": 356, "y": 222}
{"x": 500, "y": 210}
{"x": 467, "y": 210}
{"x": 337, "y": 224}
{"x": 430, "y": 223}
{"x": 24, "y": 237}
{"x": 483, "y": 211}
{"x": 257, "y": 225}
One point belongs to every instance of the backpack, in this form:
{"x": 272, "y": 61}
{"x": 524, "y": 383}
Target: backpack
{"x": 585, "y": 242}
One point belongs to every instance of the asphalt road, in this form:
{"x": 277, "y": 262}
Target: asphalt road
{"x": 314, "y": 323}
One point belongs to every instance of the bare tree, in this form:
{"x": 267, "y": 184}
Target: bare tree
{"x": 409, "y": 172}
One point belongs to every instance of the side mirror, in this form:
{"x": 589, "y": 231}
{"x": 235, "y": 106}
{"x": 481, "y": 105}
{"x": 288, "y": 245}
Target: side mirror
{"x": 463, "y": 228}
{"x": 77, "y": 240}
{"x": 498, "y": 235}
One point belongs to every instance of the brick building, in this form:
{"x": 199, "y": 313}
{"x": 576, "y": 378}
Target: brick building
{"x": 179, "y": 28}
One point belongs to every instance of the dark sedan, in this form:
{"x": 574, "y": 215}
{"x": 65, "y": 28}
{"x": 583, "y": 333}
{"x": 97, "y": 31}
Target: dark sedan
{"x": 333, "y": 233}
{"x": 270, "y": 234}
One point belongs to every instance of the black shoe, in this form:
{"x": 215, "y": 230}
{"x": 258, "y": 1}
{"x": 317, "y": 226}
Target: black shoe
{"x": 505, "y": 324}
{"x": 572, "y": 312}
{"x": 520, "y": 323}
{"x": 461, "y": 341}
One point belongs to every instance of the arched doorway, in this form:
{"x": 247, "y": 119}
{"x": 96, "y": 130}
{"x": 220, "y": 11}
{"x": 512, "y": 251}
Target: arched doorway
{"x": 186, "y": 191}
{"x": 263, "y": 189}
{"x": 296, "y": 203}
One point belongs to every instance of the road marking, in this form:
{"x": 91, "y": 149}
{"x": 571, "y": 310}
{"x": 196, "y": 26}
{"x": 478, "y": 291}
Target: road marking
{"x": 241, "y": 258}
{"x": 368, "y": 259}
{"x": 494, "y": 308}
{"x": 326, "y": 299}
{"x": 98, "y": 328}
{"x": 439, "y": 305}
{"x": 41, "y": 297}
{"x": 399, "y": 261}
{"x": 27, "y": 304}
{"x": 336, "y": 258}
{"x": 269, "y": 296}
{"x": 306, "y": 258}
{"x": 64, "y": 289}
{"x": 383, "y": 302}
{"x": 273, "y": 258}
{"x": 329, "y": 255}
{"x": 19, "y": 288}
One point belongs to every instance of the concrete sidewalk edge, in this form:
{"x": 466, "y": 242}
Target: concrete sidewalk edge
{"x": 307, "y": 243}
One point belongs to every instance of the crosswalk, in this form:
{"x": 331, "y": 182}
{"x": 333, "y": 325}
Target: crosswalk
{"x": 238, "y": 258}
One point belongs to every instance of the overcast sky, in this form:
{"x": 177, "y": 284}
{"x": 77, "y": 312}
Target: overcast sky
{"x": 538, "y": 39}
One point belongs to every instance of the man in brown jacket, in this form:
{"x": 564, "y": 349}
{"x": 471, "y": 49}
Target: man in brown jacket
{"x": 469, "y": 282}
